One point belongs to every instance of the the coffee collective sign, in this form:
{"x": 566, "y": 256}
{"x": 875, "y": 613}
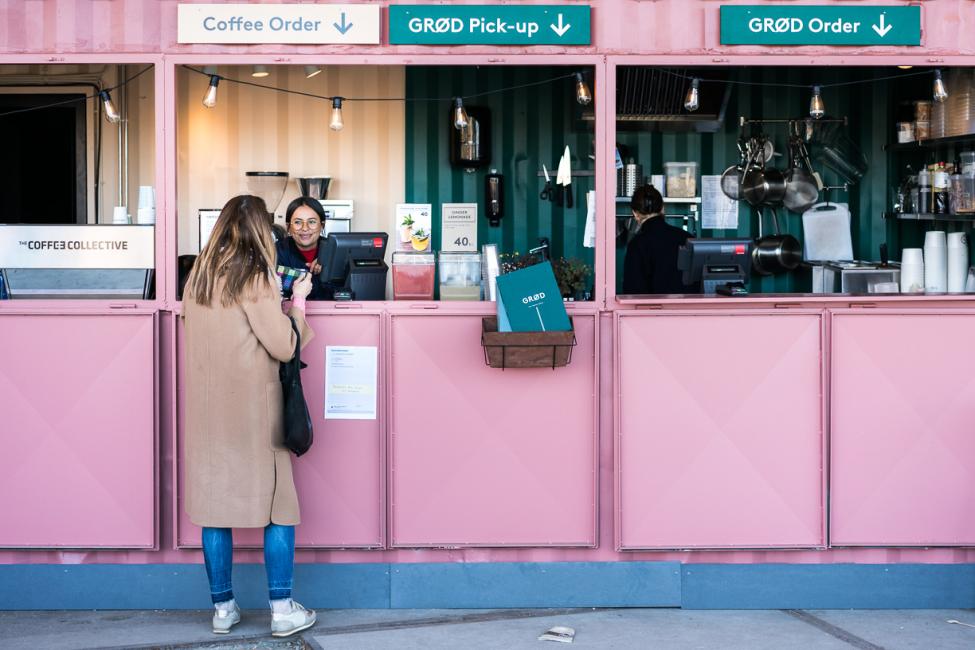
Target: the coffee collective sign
{"x": 820, "y": 25}
{"x": 76, "y": 247}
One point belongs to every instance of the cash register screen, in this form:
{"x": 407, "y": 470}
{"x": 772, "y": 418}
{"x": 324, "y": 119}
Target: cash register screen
{"x": 718, "y": 256}
{"x": 341, "y": 247}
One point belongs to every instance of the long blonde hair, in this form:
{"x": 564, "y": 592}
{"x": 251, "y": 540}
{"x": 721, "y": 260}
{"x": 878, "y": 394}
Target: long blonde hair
{"x": 240, "y": 249}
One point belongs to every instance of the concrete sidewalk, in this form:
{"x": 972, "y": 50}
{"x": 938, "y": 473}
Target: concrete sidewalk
{"x": 660, "y": 629}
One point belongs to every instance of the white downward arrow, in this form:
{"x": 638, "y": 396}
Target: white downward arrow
{"x": 883, "y": 28}
{"x": 561, "y": 29}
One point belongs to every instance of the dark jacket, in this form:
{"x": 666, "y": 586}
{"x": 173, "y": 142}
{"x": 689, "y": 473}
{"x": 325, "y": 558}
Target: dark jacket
{"x": 651, "y": 259}
{"x": 290, "y": 256}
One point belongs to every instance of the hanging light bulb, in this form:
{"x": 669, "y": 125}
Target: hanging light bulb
{"x": 311, "y": 71}
{"x": 816, "y": 107}
{"x": 905, "y": 67}
{"x": 210, "y": 98}
{"x": 692, "y": 99}
{"x": 111, "y": 114}
{"x": 336, "y": 122}
{"x": 583, "y": 96}
{"x": 940, "y": 93}
{"x": 460, "y": 115}
{"x": 260, "y": 71}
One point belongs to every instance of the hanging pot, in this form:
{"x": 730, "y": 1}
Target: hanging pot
{"x": 776, "y": 253}
{"x": 800, "y": 186}
{"x": 763, "y": 186}
{"x": 731, "y": 178}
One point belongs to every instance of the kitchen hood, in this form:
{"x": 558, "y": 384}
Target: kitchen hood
{"x": 652, "y": 99}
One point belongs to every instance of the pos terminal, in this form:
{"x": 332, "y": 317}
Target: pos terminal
{"x": 352, "y": 263}
{"x": 719, "y": 265}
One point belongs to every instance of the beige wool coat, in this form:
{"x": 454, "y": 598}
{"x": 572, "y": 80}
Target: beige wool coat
{"x": 237, "y": 473}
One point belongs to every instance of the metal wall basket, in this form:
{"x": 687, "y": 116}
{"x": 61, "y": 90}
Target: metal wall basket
{"x": 525, "y": 349}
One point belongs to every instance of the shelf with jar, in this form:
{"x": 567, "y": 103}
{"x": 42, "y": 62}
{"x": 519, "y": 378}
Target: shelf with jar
{"x": 938, "y": 192}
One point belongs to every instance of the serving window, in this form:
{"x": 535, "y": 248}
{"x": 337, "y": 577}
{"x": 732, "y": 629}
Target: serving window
{"x": 398, "y": 167}
{"x": 77, "y": 181}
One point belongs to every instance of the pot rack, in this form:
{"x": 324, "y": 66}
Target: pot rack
{"x": 742, "y": 120}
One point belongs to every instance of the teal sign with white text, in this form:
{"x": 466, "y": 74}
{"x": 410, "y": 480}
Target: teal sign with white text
{"x": 820, "y": 25}
{"x": 489, "y": 24}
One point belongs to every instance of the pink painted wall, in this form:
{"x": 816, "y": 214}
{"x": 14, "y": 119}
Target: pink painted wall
{"x": 902, "y": 443}
{"x": 78, "y": 467}
{"x": 719, "y": 445}
{"x": 682, "y": 31}
{"x": 618, "y": 27}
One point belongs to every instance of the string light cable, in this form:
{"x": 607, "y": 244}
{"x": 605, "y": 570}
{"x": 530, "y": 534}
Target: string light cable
{"x": 97, "y": 95}
{"x": 329, "y": 98}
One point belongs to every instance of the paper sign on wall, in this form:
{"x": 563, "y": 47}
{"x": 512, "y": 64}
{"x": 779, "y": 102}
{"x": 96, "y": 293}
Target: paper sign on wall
{"x": 458, "y": 225}
{"x": 718, "y": 211}
{"x": 414, "y": 223}
{"x": 350, "y": 382}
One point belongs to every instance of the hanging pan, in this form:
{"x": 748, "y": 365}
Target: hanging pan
{"x": 801, "y": 191}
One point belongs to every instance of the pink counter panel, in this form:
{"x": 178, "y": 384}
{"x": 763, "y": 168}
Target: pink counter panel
{"x": 720, "y": 430}
{"x": 340, "y": 479}
{"x": 78, "y": 467}
{"x": 903, "y": 428}
{"x": 481, "y": 456}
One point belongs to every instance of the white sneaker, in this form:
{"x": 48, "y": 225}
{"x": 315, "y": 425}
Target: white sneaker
{"x": 295, "y": 621}
{"x": 225, "y": 618}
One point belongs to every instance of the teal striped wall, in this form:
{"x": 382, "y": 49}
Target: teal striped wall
{"x": 529, "y": 127}
{"x": 865, "y": 105}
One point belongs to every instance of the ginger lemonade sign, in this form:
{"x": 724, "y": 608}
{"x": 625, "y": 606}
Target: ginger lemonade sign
{"x": 489, "y": 24}
{"x": 820, "y": 25}
{"x": 278, "y": 23}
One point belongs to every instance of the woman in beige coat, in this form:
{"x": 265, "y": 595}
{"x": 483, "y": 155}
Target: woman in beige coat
{"x": 237, "y": 471}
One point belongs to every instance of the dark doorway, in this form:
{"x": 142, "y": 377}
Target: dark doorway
{"x": 43, "y": 170}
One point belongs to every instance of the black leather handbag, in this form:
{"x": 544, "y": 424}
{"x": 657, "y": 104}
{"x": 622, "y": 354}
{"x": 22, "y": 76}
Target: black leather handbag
{"x": 298, "y": 433}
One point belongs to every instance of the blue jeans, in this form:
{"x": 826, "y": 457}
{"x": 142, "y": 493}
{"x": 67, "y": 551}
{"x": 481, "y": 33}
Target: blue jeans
{"x": 279, "y": 560}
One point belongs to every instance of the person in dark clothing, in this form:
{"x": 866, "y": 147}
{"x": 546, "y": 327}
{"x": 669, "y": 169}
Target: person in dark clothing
{"x": 300, "y": 249}
{"x": 651, "y": 256}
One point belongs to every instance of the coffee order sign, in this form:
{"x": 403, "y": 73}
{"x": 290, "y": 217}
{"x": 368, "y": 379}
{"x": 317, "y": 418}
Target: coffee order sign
{"x": 313, "y": 24}
{"x": 820, "y": 25}
{"x": 76, "y": 247}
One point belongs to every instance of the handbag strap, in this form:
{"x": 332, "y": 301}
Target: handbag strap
{"x": 297, "y": 358}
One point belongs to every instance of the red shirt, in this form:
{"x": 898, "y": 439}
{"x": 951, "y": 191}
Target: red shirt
{"x": 309, "y": 255}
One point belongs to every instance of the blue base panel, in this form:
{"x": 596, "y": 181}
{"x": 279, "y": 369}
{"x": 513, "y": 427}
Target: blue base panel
{"x": 503, "y": 585}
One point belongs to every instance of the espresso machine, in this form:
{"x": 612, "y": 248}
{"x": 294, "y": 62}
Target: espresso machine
{"x": 338, "y": 212}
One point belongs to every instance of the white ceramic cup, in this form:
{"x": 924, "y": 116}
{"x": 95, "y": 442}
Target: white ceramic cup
{"x": 147, "y": 196}
{"x": 120, "y": 215}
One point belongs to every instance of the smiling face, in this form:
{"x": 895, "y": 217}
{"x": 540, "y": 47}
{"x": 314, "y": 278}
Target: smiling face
{"x": 305, "y": 227}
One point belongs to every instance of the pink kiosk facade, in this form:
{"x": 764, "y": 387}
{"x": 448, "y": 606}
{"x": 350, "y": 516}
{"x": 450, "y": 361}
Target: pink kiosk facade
{"x": 842, "y": 453}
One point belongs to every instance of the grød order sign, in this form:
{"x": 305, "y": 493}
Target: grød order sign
{"x": 313, "y": 24}
{"x": 77, "y": 247}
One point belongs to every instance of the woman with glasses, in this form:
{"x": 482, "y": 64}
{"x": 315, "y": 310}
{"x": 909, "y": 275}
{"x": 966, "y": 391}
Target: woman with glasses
{"x": 299, "y": 250}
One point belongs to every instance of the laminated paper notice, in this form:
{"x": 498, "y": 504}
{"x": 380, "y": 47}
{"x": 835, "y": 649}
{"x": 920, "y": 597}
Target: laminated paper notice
{"x": 589, "y": 236}
{"x": 350, "y": 382}
{"x": 718, "y": 212}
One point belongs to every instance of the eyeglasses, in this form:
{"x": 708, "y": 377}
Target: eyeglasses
{"x": 298, "y": 224}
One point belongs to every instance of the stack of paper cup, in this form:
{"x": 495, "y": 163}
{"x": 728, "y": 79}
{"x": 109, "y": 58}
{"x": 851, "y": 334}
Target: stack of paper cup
{"x": 957, "y": 262}
{"x": 912, "y": 271}
{"x": 935, "y": 262}
{"x": 147, "y": 205}
{"x": 120, "y": 215}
